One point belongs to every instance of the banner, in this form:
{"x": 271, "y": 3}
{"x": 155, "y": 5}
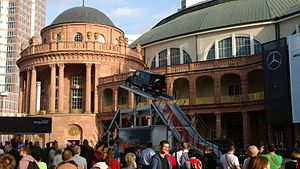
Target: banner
{"x": 276, "y": 76}
{"x": 25, "y": 125}
{"x": 294, "y": 60}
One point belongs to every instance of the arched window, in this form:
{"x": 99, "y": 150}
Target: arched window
{"x": 162, "y": 58}
{"x": 153, "y": 63}
{"x": 242, "y": 46}
{"x": 211, "y": 53}
{"x": 175, "y": 56}
{"x": 257, "y": 47}
{"x": 225, "y": 48}
{"x": 78, "y": 37}
{"x": 58, "y": 38}
{"x": 101, "y": 39}
{"x": 186, "y": 57}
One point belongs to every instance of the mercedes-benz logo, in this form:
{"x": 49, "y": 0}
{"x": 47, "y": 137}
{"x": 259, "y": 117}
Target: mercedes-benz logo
{"x": 274, "y": 60}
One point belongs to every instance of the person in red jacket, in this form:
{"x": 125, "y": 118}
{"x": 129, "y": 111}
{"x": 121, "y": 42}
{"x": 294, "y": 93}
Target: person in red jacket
{"x": 173, "y": 161}
{"x": 111, "y": 161}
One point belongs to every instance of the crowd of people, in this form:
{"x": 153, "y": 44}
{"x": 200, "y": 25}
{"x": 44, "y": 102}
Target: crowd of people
{"x": 18, "y": 155}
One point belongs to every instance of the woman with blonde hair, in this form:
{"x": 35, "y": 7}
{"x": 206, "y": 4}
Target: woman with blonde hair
{"x": 259, "y": 162}
{"x": 130, "y": 159}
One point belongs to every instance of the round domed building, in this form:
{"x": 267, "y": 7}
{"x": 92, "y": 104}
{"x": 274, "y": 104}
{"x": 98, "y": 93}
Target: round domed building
{"x": 59, "y": 77}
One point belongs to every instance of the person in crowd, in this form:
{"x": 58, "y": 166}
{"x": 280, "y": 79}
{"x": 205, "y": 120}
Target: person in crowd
{"x": 263, "y": 149}
{"x": 26, "y": 158}
{"x": 114, "y": 146}
{"x": 192, "y": 162}
{"x": 112, "y": 162}
{"x": 68, "y": 162}
{"x": 274, "y": 159}
{"x": 7, "y": 161}
{"x": 52, "y": 152}
{"x": 259, "y": 162}
{"x": 252, "y": 151}
{"x": 1, "y": 149}
{"x": 46, "y": 153}
{"x": 160, "y": 160}
{"x": 295, "y": 160}
{"x": 15, "y": 153}
{"x": 297, "y": 145}
{"x": 57, "y": 158}
{"x": 98, "y": 156}
{"x": 130, "y": 159}
{"x": 229, "y": 160}
{"x": 100, "y": 165}
{"x": 146, "y": 156}
{"x": 183, "y": 151}
{"x": 77, "y": 158}
{"x": 208, "y": 161}
{"x": 86, "y": 152}
{"x": 36, "y": 150}
{"x": 38, "y": 158}
{"x": 172, "y": 160}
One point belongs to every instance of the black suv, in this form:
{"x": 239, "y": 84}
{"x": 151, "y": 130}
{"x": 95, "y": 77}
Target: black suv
{"x": 147, "y": 81}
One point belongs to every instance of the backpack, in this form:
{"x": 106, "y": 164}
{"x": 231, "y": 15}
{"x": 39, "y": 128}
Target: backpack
{"x": 195, "y": 164}
{"x": 32, "y": 165}
{"x": 184, "y": 157}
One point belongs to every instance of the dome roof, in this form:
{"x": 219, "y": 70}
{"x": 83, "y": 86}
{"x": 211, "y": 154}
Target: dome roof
{"x": 82, "y": 14}
{"x": 204, "y": 17}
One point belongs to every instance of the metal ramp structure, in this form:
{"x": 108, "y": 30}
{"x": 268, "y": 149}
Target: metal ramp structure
{"x": 170, "y": 114}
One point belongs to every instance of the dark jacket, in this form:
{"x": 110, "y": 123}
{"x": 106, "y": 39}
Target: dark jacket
{"x": 209, "y": 162}
{"x": 156, "y": 162}
{"x": 290, "y": 164}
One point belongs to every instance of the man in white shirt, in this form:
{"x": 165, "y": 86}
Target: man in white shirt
{"x": 229, "y": 160}
{"x": 77, "y": 158}
{"x": 178, "y": 155}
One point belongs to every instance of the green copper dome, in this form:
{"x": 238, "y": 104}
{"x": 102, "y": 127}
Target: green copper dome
{"x": 202, "y": 17}
{"x": 82, "y": 14}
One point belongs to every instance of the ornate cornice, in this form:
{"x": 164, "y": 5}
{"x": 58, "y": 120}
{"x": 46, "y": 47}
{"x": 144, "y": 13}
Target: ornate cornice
{"x": 76, "y": 57}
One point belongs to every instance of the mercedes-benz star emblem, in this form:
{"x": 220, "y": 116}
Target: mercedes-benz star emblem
{"x": 274, "y": 60}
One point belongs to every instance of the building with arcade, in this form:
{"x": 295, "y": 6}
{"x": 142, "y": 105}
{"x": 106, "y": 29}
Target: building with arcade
{"x": 210, "y": 53}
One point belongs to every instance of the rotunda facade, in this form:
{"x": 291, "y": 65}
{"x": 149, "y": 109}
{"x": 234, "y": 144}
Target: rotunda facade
{"x": 59, "y": 77}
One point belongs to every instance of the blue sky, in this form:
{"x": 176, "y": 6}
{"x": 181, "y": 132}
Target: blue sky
{"x": 132, "y": 16}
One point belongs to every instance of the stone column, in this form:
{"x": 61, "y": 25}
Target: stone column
{"x": 52, "y": 88}
{"x": 32, "y": 108}
{"x": 170, "y": 86}
{"x": 217, "y": 84}
{"x": 100, "y": 108}
{"x": 88, "y": 77}
{"x": 297, "y": 131}
{"x": 244, "y": 86}
{"x": 130, "y": 100}
{"x": 192, "y": 91}
{"x": 27, "y": 94}
{"x": 246, "y": 129}
{"x": 21, "y": 94}
{"x": 218, "y": 125}
{"x": 61, "y": 86}
{"x": 96, "y": 93}
{"x": 115, "y": 99}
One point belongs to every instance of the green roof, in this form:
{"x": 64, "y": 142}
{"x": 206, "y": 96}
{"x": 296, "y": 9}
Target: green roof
{"x": 82, "y": 14}
{"x": 201, "y": 18}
